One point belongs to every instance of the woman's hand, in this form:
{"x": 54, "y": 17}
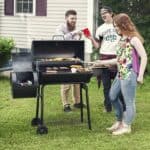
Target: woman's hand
{"x": 98, "y": 63}
{"x": 140, "y": 79}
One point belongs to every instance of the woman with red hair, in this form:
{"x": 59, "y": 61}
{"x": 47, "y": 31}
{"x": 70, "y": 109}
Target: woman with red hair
{"x": 106, "y": 40}
{"x": 130, "y": 71}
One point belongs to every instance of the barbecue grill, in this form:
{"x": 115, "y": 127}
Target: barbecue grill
{"x": 50, "y": 62}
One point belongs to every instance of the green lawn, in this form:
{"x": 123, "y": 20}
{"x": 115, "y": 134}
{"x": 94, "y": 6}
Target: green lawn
{"x": 66, "y": 132}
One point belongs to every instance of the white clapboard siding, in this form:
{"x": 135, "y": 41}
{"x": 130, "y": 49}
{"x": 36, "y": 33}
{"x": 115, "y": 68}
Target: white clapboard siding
{"x": 24, "y": 29}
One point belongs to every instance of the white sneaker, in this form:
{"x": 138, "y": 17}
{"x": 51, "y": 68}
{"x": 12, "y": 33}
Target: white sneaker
{"x": 122, "y": 130}
{"x": 115, "y": 126}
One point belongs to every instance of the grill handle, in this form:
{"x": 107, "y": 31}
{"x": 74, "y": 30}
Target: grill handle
{"x": 58, "y": 37}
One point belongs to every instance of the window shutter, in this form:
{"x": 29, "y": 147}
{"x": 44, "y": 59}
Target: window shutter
{"x": 9, "y": 7}
{"x": 41, "y": 7}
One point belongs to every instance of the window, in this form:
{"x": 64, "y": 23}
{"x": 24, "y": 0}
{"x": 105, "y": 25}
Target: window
{"x": 24, "y": 6}
{"x": 27, "y": 7}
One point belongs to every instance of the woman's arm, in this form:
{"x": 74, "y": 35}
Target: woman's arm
{"x": 142, "y": 53}
{"x": 100, "y": 63}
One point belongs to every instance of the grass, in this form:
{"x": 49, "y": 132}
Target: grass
{"x": 66, "y": 132}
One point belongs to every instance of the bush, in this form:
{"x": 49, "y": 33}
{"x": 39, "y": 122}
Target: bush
{"x": 6, "y": 45}
{"x": 95, "y": 54}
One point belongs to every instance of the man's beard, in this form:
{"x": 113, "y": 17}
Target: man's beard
{"x": 70, "y": 27}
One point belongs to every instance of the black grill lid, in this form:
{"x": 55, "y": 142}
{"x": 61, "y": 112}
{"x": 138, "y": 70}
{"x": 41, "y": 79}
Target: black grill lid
{"x": 58, "y": 49}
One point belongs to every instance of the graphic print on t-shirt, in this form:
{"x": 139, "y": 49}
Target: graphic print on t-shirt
{"x": 109, "y": 35}
{"x": 110, "y": 39}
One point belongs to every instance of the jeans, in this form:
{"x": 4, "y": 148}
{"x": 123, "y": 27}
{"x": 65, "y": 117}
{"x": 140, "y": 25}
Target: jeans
{"x": 128, "y": 89}
{"x": 106, "y": 80}
{"x": 106, "y": 76}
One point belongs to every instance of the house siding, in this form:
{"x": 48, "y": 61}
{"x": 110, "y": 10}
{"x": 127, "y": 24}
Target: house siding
{"x": 24, "y": 29}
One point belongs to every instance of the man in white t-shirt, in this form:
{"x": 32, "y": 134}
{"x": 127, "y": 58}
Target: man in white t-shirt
{"x": 109, "y": 38}
{"x": 106, "y": 39}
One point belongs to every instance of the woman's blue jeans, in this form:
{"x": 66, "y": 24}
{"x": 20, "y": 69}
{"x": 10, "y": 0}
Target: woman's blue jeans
{"x": 128, "y": 89}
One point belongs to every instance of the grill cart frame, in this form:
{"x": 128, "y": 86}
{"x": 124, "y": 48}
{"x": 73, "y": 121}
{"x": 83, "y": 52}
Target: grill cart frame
{"x": 44, "y": 50}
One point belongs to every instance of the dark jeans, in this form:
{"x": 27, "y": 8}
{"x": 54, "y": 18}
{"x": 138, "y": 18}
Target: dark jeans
{"x": 106, "y": 76}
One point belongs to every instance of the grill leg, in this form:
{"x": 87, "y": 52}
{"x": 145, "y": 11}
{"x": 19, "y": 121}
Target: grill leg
{"x": 81, "y": 101}
{"x": 37, "y": 104}
{"x": 42, "y": 104}
{"x": 88, "y": 107}
{"x": 35, "y": 121}
{"x": 42, "y": 129}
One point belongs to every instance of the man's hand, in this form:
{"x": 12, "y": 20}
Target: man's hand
{"x": 89, "y": 37}
{"x": 76, "y": 32}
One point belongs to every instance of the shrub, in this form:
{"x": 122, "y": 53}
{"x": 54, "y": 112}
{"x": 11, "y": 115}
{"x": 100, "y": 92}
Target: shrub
{"x": 6, "y": 45}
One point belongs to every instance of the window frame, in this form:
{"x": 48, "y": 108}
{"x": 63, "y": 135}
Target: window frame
{"x": 24, "y": 14}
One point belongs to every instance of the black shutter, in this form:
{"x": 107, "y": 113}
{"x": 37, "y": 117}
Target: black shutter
{"x": 9, "y": 7}
{"x": 41, "y": 7}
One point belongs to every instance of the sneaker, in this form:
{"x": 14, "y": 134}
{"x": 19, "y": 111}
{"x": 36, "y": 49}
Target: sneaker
{"x": 115, "y": 126}
{"x": 67, "y": 108}
{"x": 122, "y": 130}
{"x": 79, "y": 105}
{"x": 107, "y": 111}
{"x": 108, "y": 108}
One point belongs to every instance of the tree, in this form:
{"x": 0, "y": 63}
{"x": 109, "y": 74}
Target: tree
{"x": 139, "y": 11}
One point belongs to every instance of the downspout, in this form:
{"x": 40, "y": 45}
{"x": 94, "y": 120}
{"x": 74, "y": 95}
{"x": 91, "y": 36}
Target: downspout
{"x": 90, "y": 23}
